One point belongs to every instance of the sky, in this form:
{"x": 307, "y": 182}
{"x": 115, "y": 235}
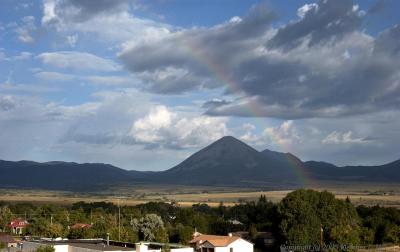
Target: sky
{"x": 143, "y": 84}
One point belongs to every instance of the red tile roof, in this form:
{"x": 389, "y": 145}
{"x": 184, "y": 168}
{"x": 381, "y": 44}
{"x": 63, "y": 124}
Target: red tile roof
{"x": 215, "y": 240}
{"x": 81, "y": 225}
{"x": 18, "y": 223}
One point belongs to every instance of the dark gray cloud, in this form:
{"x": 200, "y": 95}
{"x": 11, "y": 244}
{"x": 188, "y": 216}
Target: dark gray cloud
{"x": 82, "y": 10}
{"x": 186, "y": 59}
{"x": 388, "y": 42}
{"x": 215, "y": 103}
{"x": 321, "y": 65}
{"x": 326, "y": 20}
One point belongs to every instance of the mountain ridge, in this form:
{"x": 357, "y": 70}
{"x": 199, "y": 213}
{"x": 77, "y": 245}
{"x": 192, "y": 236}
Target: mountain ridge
{"x": 225, "y": 162}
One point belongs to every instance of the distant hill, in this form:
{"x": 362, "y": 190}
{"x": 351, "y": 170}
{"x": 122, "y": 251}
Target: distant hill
{"x": 226, "y": 162}
{"x": 381, "y": 173}
{"x": 60, "y": 175}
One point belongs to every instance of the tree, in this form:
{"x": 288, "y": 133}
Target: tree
{"x": 42, "y": 227}
{"x": 150, "y": 228}
{"x": 393, "y": 234}
{"x": 302, "y": 212}
{"x": 366, "y": 236}
{"x": 5, "y": 217}
{"x": 253, "y": 232}
{"x": 181, "y": 234}
{"x": 81, "y": 233}
{"x": 381, "y": 220}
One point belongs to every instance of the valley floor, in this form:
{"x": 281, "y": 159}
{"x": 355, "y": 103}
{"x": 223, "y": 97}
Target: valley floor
{"x": 366, "y": 194}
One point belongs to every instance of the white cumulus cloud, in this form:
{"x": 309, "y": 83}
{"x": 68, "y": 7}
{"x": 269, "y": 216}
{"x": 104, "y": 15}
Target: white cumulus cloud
{"x": 163, "y": 127}
{"x": 336, "y": 137}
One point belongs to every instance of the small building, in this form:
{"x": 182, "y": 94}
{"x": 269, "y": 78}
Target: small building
{"x": 219, "y": 243}
{"x": 81, "y": 225}
{"x": 18, "y": 225}
{"x": 8, "y": 240}
{"x": 99, "y": 245}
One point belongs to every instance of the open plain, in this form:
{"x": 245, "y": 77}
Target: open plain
{"x": 360, "y": 194}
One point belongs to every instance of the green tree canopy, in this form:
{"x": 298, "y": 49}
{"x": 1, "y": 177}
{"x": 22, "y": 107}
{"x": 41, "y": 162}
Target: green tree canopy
{"x": 303, "y": 212}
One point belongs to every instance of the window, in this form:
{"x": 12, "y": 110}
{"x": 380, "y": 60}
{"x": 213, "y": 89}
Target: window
{"x": 231, "y": 250}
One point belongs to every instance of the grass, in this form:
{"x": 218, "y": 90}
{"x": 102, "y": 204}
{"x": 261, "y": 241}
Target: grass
{"x": 366, "y": 194}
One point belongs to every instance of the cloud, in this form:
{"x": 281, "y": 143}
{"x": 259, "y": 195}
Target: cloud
{"x": 23, "y": 56}
{"x": 10, "y": 87}
{"x": 302, "y": 11}
{"x": 7, "y": 102}
{"x": 54, "y": 76}
{"x": 215, "y": 103}
{"x": 104, "y": 80}
{"x": 320, "y": 22}
{"x": 79, "y": 10}
{"x": 29, "y": 109}
{"x": 110, "y": 21}
{"x": 25, "y": 30}
{"x": 111, "y": 80}
{"x": 146, "y": 129}
{"x": 284, "y": 134}
{"x": 78, "y": 61}
{"x": 164, "y": 128}
{"x": 191, "y": 58}
{"x": 279, "y": 71}
{"x": 72, "y": 40}
{"x": 343, "y": 138}
{"x": 249, "y": 136}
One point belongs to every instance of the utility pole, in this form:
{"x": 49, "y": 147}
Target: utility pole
{"x": 321, "y": 238}
{"x": 119, "y": 222}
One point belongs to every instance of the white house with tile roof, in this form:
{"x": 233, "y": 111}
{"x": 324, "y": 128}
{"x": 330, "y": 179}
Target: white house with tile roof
{"x": 219, "y": 243}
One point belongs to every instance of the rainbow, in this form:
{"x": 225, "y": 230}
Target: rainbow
{"x": 223, "y": 76}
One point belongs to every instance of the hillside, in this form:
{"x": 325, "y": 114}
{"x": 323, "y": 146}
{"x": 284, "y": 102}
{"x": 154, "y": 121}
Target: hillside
{"x": 60, "y": 175}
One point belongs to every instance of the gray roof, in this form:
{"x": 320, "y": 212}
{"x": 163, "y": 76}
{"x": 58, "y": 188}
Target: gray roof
{"x": 88, "y": 245}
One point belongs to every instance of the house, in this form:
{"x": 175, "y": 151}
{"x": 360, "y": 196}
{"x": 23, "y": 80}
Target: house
{"x": 8, "y": 240}
{"x": 74, "y": 246}
{"x": 18, "y": 225}
{"x": 81, "y": 225}
{"x": 98, "y": 245}
{"x": 218, "y": 243}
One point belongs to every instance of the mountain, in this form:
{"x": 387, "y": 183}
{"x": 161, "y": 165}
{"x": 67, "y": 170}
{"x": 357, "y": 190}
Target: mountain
{"x": 226, "y": 162}
{"x": 230, "y": 162}
{"x": 61, "y": 175}
{"x": 382, "y": 173}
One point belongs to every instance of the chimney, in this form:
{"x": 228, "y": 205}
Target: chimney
{"x": 195, "y": 234}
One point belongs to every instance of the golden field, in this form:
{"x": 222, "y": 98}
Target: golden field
{"x": 384, "y": 195}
